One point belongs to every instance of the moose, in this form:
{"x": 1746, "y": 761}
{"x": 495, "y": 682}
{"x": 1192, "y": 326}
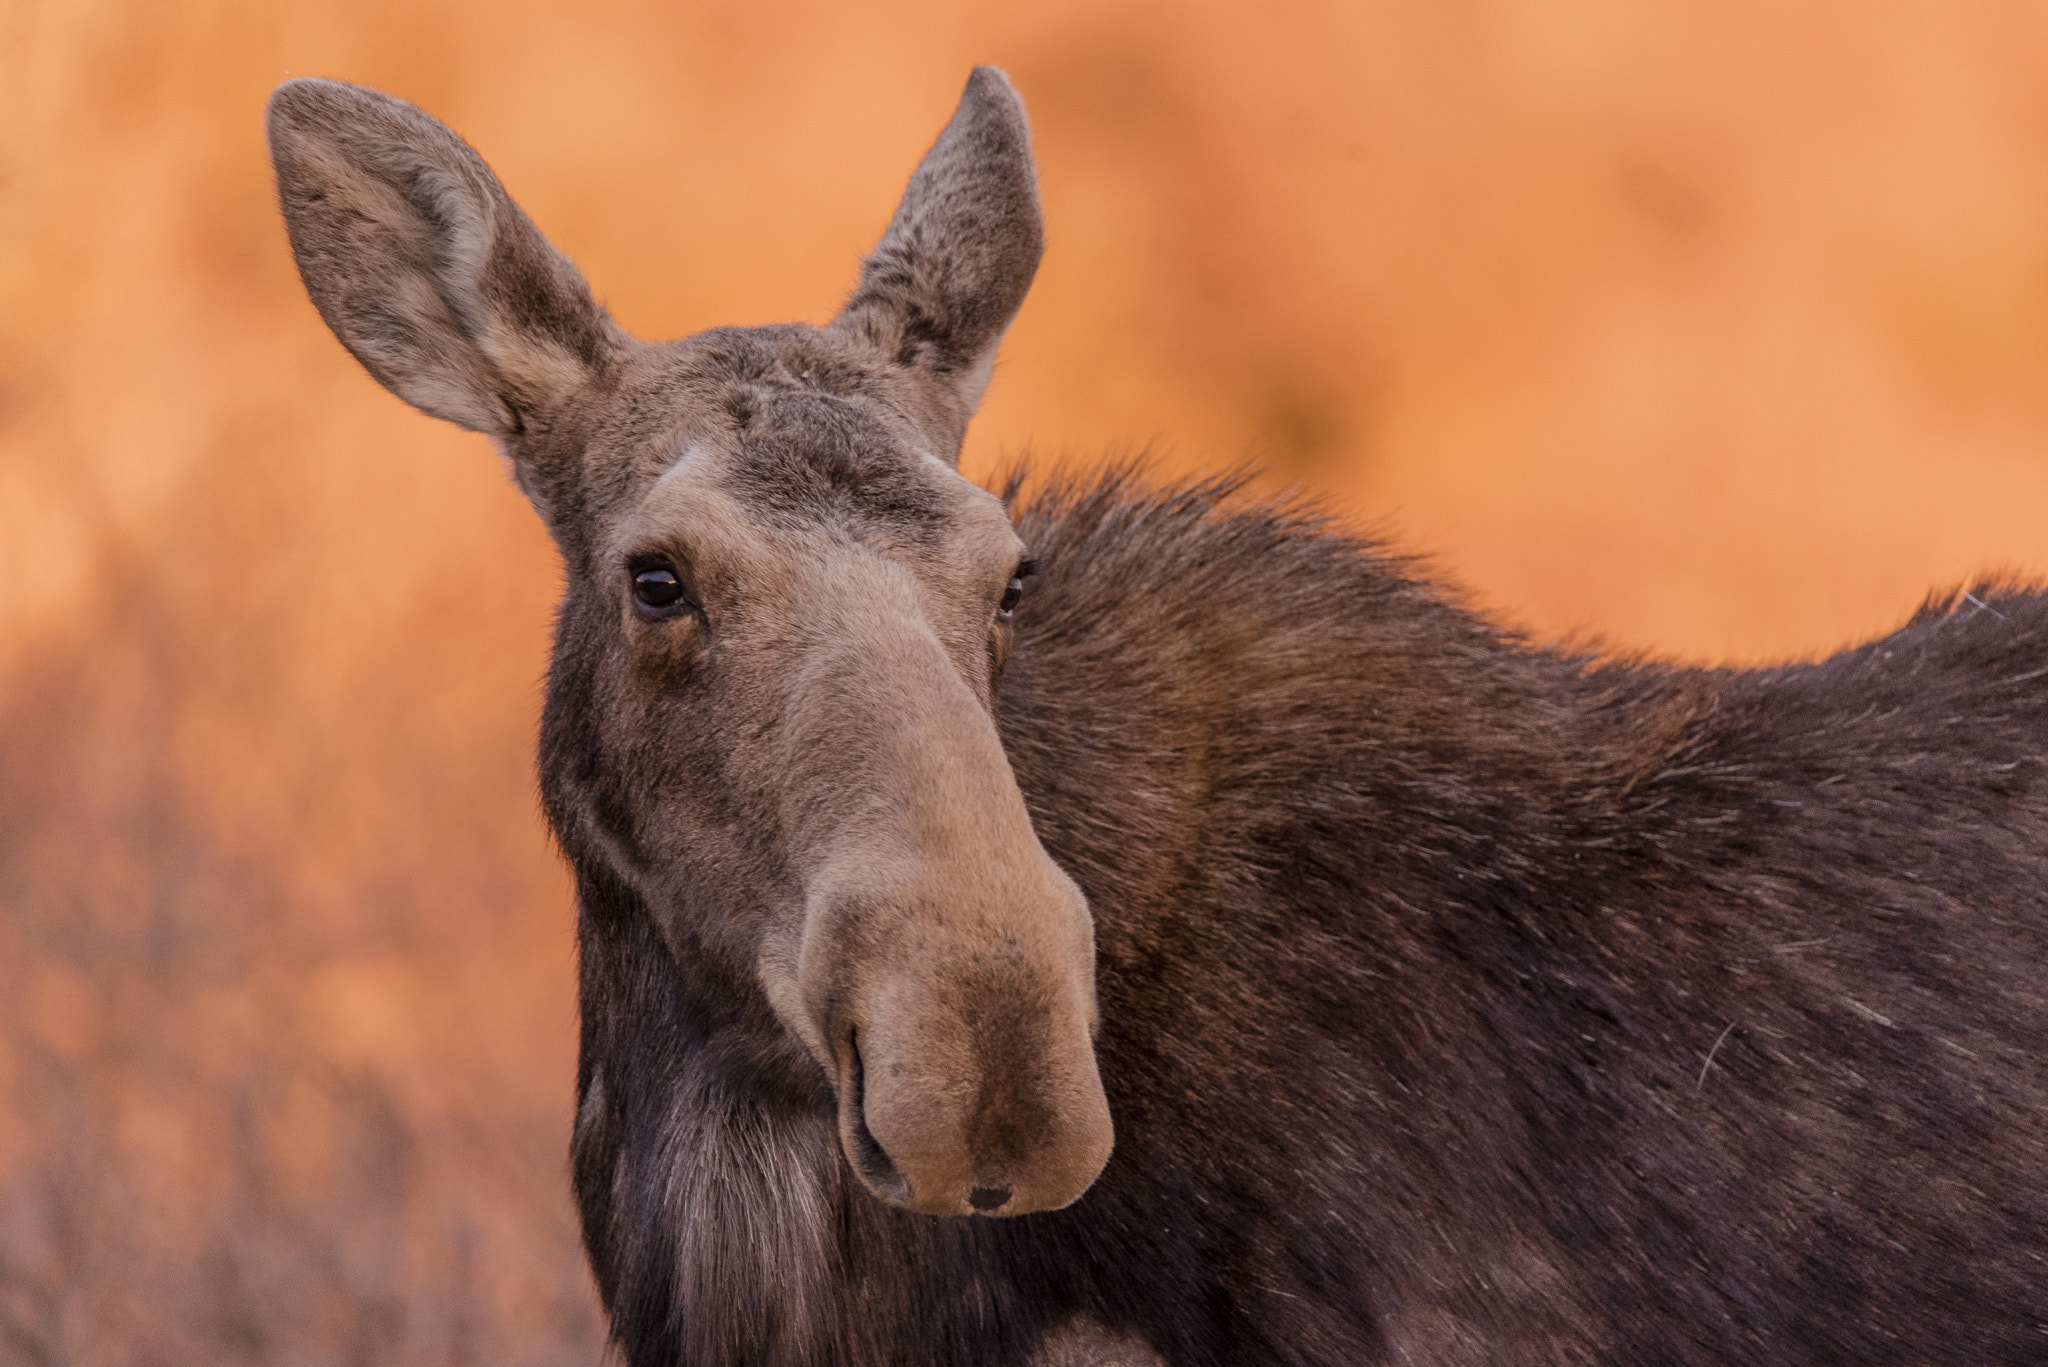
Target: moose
{"x": 1109, "y": 921}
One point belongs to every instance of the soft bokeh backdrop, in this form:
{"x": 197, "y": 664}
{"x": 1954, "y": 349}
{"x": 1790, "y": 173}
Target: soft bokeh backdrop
{"x": 1715, "y": 327}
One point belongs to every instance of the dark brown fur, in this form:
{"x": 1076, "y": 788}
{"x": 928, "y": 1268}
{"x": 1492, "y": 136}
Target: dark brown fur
{"x": 1459, "y": 1001}
{"x": 1414, "y": 945}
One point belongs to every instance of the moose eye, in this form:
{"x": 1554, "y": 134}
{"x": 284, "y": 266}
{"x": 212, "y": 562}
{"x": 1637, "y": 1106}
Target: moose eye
{"x": 1014, "y": 594}
{"x": 656, "y": 589}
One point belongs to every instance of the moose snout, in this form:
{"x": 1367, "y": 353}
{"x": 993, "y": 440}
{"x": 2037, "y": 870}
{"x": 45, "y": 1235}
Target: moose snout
{"x": 943, "y": 972}
{"x": 975, "y": 1093}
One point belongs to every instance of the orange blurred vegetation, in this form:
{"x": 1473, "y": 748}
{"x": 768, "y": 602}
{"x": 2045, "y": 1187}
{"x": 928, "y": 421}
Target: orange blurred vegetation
{"x": 1716, "y": 328}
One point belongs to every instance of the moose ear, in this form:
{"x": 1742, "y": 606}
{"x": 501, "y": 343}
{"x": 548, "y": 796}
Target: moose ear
{"x": 424, "y": 267}
{"x": 951, "y": 271}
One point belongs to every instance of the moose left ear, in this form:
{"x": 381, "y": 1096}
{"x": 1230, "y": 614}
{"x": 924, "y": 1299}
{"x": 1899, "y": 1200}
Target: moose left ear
{"x": 950, "y": 273}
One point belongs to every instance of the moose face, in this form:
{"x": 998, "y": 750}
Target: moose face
{"x": 785, "y": 624}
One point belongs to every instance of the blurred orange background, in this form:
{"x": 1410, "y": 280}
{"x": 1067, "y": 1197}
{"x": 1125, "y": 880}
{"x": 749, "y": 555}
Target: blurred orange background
{"x": 1717, "y": 328}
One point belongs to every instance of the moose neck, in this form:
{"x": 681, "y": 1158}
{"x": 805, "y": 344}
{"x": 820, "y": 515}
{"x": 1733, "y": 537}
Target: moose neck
{"x": 1191, "y": 684}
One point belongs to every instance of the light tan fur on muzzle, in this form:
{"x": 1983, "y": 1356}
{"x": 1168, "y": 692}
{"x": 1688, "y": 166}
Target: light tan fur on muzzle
{"x": 943, "y": 969}
{"x": 961, "y": 1038}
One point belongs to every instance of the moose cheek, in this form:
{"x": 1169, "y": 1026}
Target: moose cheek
{"x": 667, "y": 653}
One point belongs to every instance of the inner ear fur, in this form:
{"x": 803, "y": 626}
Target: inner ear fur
{"x": 951, "y": 271}
{"x": 424, "y": 267}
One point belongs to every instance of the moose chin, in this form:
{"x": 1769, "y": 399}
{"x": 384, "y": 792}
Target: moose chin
{"x": 1318, "y": 973}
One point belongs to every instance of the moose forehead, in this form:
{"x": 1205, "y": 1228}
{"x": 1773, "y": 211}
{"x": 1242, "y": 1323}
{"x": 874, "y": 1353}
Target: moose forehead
{"x": 789, "y": 436}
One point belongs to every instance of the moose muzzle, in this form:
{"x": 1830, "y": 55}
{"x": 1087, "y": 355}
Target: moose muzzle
{"x": 972, "y": 1089}
{"x": 961, "y": 1042}
{"x": 943, "y": 970}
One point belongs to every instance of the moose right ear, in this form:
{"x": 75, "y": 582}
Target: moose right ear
{"x": 425, "y": 268}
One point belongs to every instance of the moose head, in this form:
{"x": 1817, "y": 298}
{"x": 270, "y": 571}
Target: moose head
{"x": 784, "y": 627}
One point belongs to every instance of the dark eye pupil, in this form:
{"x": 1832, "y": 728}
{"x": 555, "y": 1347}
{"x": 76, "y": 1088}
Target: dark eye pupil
{"x": 1011, "y": 597}
{"x": 657, "y": 588}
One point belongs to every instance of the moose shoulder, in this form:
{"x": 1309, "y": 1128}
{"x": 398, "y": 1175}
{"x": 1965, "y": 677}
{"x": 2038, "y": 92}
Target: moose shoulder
{"x": 1453, "y": 1001}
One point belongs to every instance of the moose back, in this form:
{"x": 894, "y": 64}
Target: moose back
{"x": 1300, "y": 968}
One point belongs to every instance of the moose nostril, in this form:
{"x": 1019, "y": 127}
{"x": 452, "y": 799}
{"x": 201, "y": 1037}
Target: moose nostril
{"x": 868, "y": 1155}
{"x": 988, "y": 1198}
